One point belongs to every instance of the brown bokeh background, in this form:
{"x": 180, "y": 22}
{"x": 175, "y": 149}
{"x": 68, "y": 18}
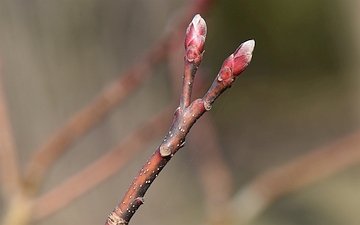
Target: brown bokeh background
{"x": 300, "y": 92}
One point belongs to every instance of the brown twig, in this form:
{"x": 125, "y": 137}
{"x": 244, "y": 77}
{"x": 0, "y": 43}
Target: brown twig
{"x": 214, "y": 173}
{"x": 105, "y": 101}
{"x": 9, "y": 167}
{"x": 297, "y": 174}
{"x": 194, "y": 45}
{"x": 184, "y": 119}
{"x": 75, "y": 186}
{"x": 50, "y": 202}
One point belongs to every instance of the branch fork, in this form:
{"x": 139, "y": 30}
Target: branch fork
{"x": 185, "y": 115}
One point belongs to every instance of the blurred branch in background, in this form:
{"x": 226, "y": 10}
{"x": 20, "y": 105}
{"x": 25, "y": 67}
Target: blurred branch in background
{"x": 84, "y": 120}
{"x": 18, "y": 206}
{"x": 100, "y": 170}
{"x": 185, "y": 115}
{"x": 300, "y": 172}
{"x": 107, "y": 100}
{"x": 9, "y": 165}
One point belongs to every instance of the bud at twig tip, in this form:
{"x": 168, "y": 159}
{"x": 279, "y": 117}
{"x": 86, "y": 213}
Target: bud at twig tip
{"x": 249, "y": 45}
{"x": 242, "y": 57}
{"x": 196, "y": 33}
{"x": 245, "y": 49}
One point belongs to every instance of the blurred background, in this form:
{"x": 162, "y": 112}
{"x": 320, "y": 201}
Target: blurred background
{"x": 300, "y": 92}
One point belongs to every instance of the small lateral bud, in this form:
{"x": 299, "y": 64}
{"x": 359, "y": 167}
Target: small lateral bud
{"x": 237, "y": 62}
{"x": 242, "y": 57}
{"x": 165, "y": 151}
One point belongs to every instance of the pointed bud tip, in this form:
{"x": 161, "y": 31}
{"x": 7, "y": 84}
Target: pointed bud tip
{"x": 250, "y": 45}
{"x": 195, "y": 37}
{"x": 242, "y": 57}
{"x": 196, "y": 18}
{"x": 245, "y": 48}
{"x": 199, "y": 24}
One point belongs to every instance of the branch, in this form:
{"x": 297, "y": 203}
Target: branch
{"x": 213, "y": 172}
{"x": 184, "y": 119}
{"x": 75, "y": 186}
{"x": 297, "y": 174}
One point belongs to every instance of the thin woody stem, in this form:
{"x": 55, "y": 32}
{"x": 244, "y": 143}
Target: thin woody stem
{"x": 184, "y": 119}
{"x": 172, "y": 142}
{"x": 189, "y": 75}
{"x": 41, "y": 206}
{"x": 66, "y": 192}
{"x": 214, "y": 173}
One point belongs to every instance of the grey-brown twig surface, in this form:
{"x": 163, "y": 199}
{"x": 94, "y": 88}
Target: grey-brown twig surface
{"x": 185, "y": 115}
{"x": 213, "y": 172}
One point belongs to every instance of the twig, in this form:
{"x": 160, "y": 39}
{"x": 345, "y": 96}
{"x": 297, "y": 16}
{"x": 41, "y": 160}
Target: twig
{"x": 214, "y": 172}
{"x": 297, "y": 174}
{"x": 64, "y": 193}
{"x": 194, "y": 45}
{"x": 75, "y": 186}
{"x": 105, "y": 101}
{"x": 184, "y": 119}
{"x": 9, "y": 166}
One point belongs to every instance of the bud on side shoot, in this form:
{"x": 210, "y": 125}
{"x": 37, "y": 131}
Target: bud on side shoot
{"x": 237, "y": 62}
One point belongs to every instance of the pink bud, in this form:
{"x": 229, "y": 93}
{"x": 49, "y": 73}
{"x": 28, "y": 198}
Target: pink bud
{"x": 242, "y": 57}
{"x": 237, "y": 62}
{"x": 195, "y": 34}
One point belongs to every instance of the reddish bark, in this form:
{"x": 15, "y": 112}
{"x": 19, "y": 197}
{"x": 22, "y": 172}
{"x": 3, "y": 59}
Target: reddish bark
{"x": 184, "y": 118}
